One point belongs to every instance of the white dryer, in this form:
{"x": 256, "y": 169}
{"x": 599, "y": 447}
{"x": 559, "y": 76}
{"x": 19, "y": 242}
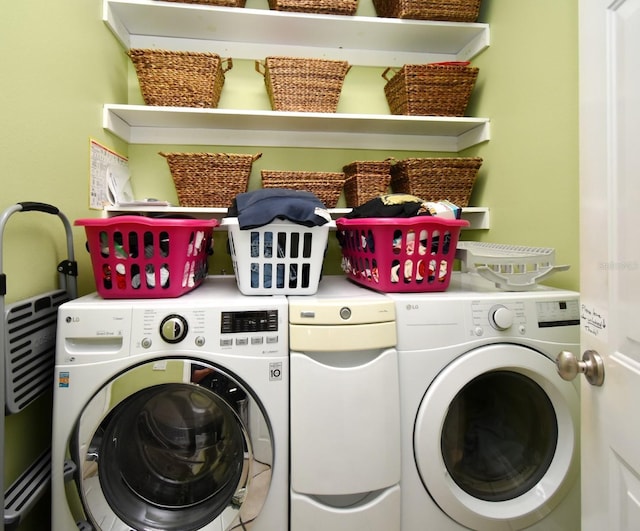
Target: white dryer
{"x": 490, "y": 432}
{"x": 172, "y": 414}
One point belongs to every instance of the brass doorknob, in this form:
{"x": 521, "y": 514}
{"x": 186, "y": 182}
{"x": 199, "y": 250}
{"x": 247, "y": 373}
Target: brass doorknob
{"x": 591, "y": 366}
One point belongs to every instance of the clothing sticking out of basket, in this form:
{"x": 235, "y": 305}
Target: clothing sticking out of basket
{"x": 277, "y": 240}
{"x": 398, "y": 242}
{"x": 404, "y": 206}
{"x": 257, "y": 208}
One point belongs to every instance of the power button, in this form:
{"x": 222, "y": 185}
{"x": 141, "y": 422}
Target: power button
{"x": 345, "y": 313}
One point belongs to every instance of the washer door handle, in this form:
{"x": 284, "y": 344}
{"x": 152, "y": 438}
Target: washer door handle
{"x": 591, "y": 366}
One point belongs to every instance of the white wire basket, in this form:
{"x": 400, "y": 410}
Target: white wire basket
{"x": 509, "y": 267}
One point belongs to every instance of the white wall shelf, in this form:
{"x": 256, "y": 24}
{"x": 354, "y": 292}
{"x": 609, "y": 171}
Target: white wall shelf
{"x": 243, "y": 33}
{"x": 142, "y": 124}
{"x": 478, "y": 217}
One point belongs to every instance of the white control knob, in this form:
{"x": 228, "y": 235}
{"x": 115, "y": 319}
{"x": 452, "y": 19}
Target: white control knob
{"x": 173, "y": 328}
{"x": 500, "y": 317}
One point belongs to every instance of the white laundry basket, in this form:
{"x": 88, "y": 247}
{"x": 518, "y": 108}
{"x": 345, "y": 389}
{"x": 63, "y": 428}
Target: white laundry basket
{"x": 281, "y": 257}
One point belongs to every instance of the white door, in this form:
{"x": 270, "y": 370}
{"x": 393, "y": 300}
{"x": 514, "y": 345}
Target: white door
{"x": 610, "y": 260}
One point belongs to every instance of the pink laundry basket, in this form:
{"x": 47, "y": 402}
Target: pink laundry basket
{"x": 143, "y": 258}
{"x": 395, "y": 255}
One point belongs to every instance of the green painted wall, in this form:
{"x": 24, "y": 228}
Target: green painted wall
{"x": 527, "y": 86}
{"x": 61, "y": 64}
{"x": 529, "y": 89}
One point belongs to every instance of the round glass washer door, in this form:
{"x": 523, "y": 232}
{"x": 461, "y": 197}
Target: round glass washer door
{"x": 174, "y": 455}
{"x": 496, "y": 438}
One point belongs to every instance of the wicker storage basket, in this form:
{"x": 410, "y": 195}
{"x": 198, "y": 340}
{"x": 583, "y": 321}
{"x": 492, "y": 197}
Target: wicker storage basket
{"x": 223, "y": 3}
{"x": 180, "y": 79}
{"x": 209, "y": 179}
{"x": 366, "y": 180}
{"x": 324, "y": 7}
{"x": 435, "y": 89}
{"x": 327, "y": 186}
{"x": 436, "y": 179}
{"x": 449, "y": 10}
{"x": 303, "y": 85}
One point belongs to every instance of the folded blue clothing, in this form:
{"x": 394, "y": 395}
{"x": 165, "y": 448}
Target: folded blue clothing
{"x": 260, "y": 207}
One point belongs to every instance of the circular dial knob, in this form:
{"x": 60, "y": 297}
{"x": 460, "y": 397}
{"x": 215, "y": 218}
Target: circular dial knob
{"x": 500, "y": 317}
{"x": 173, "y": 328}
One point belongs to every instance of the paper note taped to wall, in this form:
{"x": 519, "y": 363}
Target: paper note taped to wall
{"x": 109, "y": 178}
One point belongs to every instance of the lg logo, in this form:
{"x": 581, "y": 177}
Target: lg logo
{"x": 413, "y": 307}
{"x": 70, "y": 319}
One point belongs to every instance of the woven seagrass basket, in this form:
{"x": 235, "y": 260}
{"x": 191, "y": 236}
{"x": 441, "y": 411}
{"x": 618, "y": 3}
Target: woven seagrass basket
{"x": 223, "y": 3}
{"x": 303, "y": 85}
{"x": 327, "y": 186}
{"x": 209, "y": 179}
{"x": 448, "y": 10}
{"x": 366, "y": 180}
{"x": 436, "y": 89}
{"x": 324, "y": 7}
{"x": 180, "y": 79}
{"x": 436, "y": 179}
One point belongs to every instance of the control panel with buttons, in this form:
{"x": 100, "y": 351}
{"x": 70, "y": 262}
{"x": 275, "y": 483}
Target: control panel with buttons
{"x": 245, "y": 331}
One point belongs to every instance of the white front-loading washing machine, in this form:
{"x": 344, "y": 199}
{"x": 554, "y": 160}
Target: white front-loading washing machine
{"x": 490, "y": 432}
{"x": 172, "y": 414}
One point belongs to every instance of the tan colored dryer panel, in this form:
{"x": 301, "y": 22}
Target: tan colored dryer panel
{"x": 341, "y": 311}
{"x": 344, "y": 338}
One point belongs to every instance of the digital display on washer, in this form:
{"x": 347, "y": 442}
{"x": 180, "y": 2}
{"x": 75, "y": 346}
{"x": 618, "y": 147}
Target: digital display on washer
{"x": 558, "y": 313}
{"x": 249, "y": 321}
